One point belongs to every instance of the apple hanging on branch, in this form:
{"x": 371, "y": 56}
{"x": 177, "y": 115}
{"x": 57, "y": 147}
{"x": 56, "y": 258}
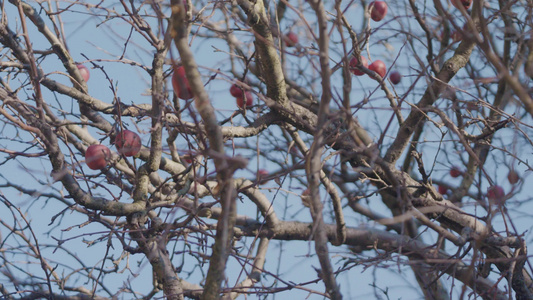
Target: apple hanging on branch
{"x": 236, "y": 91}
{"x": 353, "y": 66}
{"x": 379, "y": 67}
{"x": 188, "y": 158}
{"x": 378, "y": 10}
{"x": 261, "y": 175}
{"x": 244, "y": 98}
{"x": 291, "y": 39}
{"x": 442, "y": 189}
{"x": 180, "y": 84}
{"x": 97, "y": 156}
{"x": 513, "y": 177}
{"x": 395, "y": 77}
{"x": 128, "y": 143}
{"x": 84, "y": 71}
{"x": 496, "y": 195}
{"x": 455, "y": 172}
{"x": 245, "y": 101}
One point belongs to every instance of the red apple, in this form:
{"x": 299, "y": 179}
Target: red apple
{"x": 528, "y": 68}
{"x": 395, "y": 77}
{"x": 181, "y": 84}
{"x": 235, "y": 91}
{"x": 128, "y": 143}
{"x": 353, "y": 65}
{"x": 262, "y": 174}
{"x": 513, "y": 177}
{"x": 455, "y": 172}
{"x": 291, "y": 39}
{"x": 465, "y": 3}
{"x": 84, "y": 72}
{"x": 379, "y": 67}
{"x": 442, "y": 190}
{"x": 496, "y": 195}
{"x": 97, "y": 156}
{"x": 378, "y": 10}
{"x": 249, "y": 100}
{"x": 187, "y": 158}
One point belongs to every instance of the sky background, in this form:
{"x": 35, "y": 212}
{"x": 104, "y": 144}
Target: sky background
{"x": 102, "y": 40}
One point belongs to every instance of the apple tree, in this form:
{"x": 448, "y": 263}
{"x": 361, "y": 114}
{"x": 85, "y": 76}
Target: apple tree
{"x": 261, "y": 149}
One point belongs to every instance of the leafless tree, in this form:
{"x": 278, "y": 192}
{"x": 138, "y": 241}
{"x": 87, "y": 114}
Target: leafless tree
{"x": 349, "y": 175}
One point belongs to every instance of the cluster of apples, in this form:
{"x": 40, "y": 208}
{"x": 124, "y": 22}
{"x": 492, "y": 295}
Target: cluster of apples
{"x": 378, "y": 11}
{"x": 454, "y": 172}
{"x": 244, "y": 98}
{"x": 182, "y": 89}
{"x": 495, "y": 193}
{"x": 128, "y": 143}
{"x": 377, "y": 66}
